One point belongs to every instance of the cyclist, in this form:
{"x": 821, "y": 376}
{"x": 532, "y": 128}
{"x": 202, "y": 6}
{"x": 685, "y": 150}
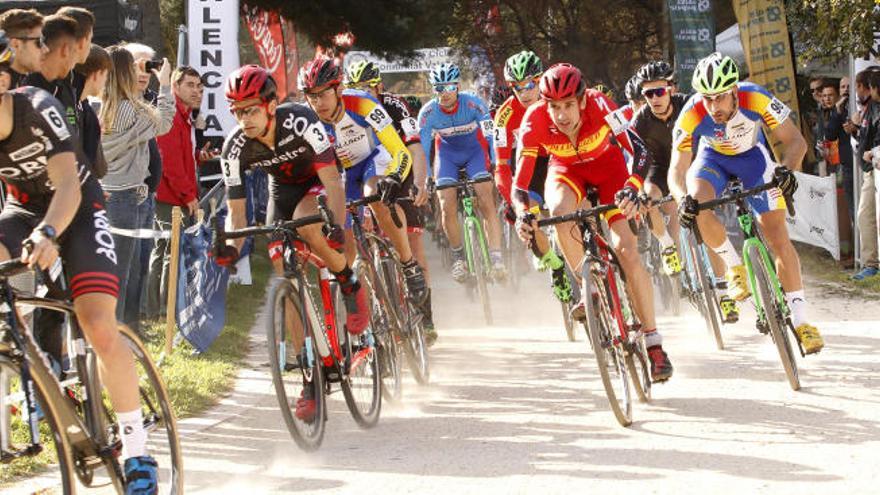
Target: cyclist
{"x": 522, "y": 71}
{"x": 290, "y": 144}
{"x": 369, "y": 148}
{"x": 654, "y": 124}
{"x": 365, "y": 75}
{"x": 457, "y": 120}
{"x": 585, "y": 139}
{"x": 56, "y": 206}
{"x": 727, "y": 116}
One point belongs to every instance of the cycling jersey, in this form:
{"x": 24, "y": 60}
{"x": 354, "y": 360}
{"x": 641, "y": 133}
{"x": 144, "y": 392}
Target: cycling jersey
{"x": 366, "y": 132}
{"x": 597, "y": 160}
{"x": 755, "y": 106}
{"x": 86, "y": 245}
{"x": 401, "y": 115}
{"x": 505, "y": 138}
{"x": 736, "y": 147}
{"x": 302, "y": 147}
{"x": 463, "y": 134}
{"x": 40, "y": 132}
{"x": 657, "y": 135}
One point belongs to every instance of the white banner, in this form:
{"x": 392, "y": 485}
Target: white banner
{"x": 423, "y": 61}
{"x": 213, "y": 51}
{"x": 815, "y": 221}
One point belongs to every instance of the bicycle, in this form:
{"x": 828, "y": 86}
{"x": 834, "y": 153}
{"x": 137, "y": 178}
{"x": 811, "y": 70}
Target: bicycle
{"x": 566, "y": 306}
{"x": 699, "y": 284}
{"x": 82, "y": 421}
{"x": 649, "y": 246}
{"x": 768, "y": 298}
{"x": 323, "y": 357}
{"x": 397, "y": 319}
{"x": 474, "y": 239}
{"x": 612, "y": 327}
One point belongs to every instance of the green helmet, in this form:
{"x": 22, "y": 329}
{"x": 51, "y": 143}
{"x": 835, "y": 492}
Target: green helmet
{"x": 521, "y": 66}
{"x": 715, "y": 74}
{"x": 362, "y": 71}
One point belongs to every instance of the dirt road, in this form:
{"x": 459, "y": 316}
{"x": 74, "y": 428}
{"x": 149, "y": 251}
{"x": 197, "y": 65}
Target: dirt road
{"x": 515, "y": 408}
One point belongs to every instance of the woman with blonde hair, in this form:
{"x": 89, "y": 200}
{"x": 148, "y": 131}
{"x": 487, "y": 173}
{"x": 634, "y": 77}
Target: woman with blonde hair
{"x": 128, "y": 123}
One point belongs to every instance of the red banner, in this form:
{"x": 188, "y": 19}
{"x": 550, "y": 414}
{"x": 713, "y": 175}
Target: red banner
{"x": 291, "y": 54}
{"x": 266, "y": 33}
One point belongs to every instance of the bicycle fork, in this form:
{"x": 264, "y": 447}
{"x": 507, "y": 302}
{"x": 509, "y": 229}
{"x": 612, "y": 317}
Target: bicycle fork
{"x": 471, "y": 219}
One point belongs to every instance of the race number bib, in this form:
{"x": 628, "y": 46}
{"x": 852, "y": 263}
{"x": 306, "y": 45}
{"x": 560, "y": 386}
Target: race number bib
{"x": 410, "y": 127}
{"x": 53, "y": 118}
{"x": 379, "y": 118}
{"x": 231, "y": 172}
{"x": 487, "y": 127}
{"x": 778, "y": 110}
{"x": 317, "y": 138}
{"x": 500, "y": 137}
{"x": 617, "y": 121}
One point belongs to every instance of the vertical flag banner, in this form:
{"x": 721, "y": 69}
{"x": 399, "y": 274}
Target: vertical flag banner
{"x": 213, "y": 51}
{"x": 291, "y": 54}
{"x": 764, "y": 35}
{"x": 693, "y": 30}
{"x": 266, "y": 33}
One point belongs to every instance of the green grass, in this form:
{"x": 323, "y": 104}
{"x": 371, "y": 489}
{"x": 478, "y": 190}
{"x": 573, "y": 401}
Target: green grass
{"x": 818, "y": 263}
{"x": 195, "y": 383}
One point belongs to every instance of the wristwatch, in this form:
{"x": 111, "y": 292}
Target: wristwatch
{"x": 48, "y": 232}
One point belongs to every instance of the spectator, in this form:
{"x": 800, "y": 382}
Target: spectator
{"x": 59, "y": 57}
{"x": 868, "y": 83}
{"x": 834, "y": 143}
{"x": 179, "y": 185}
{"x": 5, "y": 77}
{"x": 143, "y": 54}
{"x": 93, "y": 73}
{"x": 128, "y": 124}
{"x": 24, "y": 28}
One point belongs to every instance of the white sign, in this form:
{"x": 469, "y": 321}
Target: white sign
{"x": 213, "y": 51}
{"x": 423, "y": 60}
{"x": 815, "y": 221}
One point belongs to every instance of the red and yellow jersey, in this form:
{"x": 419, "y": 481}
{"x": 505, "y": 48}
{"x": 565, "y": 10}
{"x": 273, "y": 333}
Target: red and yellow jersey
{"x": 756, "y": 107}
{"x": 603, "y": 136}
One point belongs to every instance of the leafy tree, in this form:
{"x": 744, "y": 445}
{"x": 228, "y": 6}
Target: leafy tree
{"x": 829, "y": 30}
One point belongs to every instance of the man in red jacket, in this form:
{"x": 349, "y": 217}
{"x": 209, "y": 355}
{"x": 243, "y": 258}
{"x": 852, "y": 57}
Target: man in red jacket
{"x": 179, "y": 185}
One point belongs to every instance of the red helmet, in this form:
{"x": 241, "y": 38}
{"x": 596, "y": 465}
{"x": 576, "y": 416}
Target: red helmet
{"x": 319, "y": 72}
{"x": 561, "y": 81}
{"x": 248, "y": 82}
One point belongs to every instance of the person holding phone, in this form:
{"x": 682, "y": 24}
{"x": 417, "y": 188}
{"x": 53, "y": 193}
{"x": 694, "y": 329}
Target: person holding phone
{"x": 128, "y": 124}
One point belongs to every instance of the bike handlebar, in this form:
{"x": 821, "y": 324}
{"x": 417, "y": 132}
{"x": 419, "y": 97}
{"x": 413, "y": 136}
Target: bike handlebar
{"x": 729, "y": 198}
{"x": 464, "y": 183}
{"x": 12, "y": 267}
{"x": 577, "y": 216}
{"x": 367, "y": 200}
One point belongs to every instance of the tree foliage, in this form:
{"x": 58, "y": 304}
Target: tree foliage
{"x": 384, "y": 27}
{"x": 829, "y": 30}
{"x": 607, "y": 39}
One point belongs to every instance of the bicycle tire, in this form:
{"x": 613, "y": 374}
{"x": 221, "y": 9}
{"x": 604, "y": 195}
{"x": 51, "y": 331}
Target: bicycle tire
{"x": 479, "y": 265}
{"x": 410, "y": 320}
{"x": 635, "y": 352}
{"x": 60, "y": 443}
{"x": 361, "y": 383}
{"x": 284, "y": 295}
{"x": 387, "y": 337}
{"x": 568, "y": 322}
{"x": 706, "y": 299}
{"x": 607, "y": 354}
{"x": 775, "y": 321}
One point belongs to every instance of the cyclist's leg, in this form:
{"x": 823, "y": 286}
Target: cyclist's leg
{"x": 771, "y": 211}
{"x": 447, "y": 173}
{"x": 283, "y": 199}
{"x": 383, "y": 218}
{"x": 563, "y": 196}
{"x": 477, "y": 167}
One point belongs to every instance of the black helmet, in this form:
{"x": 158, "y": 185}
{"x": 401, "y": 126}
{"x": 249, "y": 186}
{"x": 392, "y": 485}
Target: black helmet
{"x": 656, "y": 71}
{"x": 499, "y": 95}
{"x": 633, "y": 89}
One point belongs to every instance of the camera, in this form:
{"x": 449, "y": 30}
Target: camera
{"x": 151, "y": 65}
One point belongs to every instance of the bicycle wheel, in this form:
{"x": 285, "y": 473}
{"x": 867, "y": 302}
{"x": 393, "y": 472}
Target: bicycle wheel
{"x": 479, "y": 265}
{"x": 609, "y": 356}
{"x": 294, "y": 369}
{"x": 388, "y": 339}
{"x": 568, "y": 322}
{"x": 410, "y": 319}
{"x": 362, "y": 384}
{"x": 705, "y": 298}
{"x": 776, "y": 321}
{"x": 635, "y": 353}
{"x": 9, "y": 373}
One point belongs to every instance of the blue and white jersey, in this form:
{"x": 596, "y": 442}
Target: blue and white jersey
{"x": 466, "y": 127}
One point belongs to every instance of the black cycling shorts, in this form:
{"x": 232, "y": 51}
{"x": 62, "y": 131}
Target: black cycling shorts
{"x": 657, "y": 175}
{"x": 86, "y": 246}
{"x": 284, "y": 198}
{"x": 414, "y": 215}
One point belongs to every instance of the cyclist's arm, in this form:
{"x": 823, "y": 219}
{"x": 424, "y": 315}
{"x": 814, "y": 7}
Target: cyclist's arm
{"x": 426, "y": 136}
{"x": 62, "y": 172}
{"x": 794, "y": 146}
{"x": 383, "y": 126}
{"x": 525, "y": 168}
{"x": 419, "y": 165}
{"x": 502, "y": 139}
{"x": 236, "y": 219}
{"x": 679, "y": 164}
{"x": 628, "y": 140}
{"x": 332, "y": 181}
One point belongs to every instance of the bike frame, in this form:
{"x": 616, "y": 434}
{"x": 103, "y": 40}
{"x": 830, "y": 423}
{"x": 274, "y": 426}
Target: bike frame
{"x": 467, "y": 202}
{"x": 753, "y": 241}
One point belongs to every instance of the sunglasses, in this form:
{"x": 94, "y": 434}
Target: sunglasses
{"x": 248, "y": 111}
{"x": 654, "y": 93}
{"x": 523, "y": 86}
{"x": 38, "y": 40}
{"x": 445, "y": 88}
{"x": 716, "y": 97}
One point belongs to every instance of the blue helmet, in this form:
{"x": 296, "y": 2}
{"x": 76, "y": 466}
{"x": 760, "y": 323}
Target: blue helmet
{"x": 444, "y": 74}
